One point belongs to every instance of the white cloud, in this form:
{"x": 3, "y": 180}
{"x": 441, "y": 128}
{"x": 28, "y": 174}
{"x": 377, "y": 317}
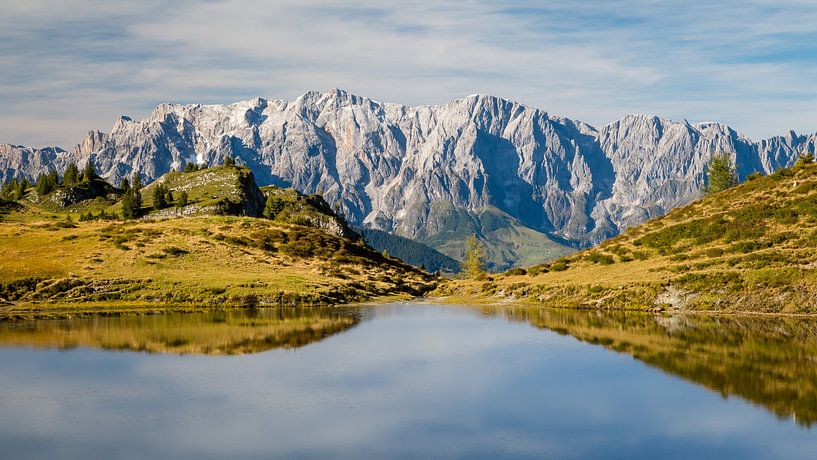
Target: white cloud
{"x": 744, "y": 63}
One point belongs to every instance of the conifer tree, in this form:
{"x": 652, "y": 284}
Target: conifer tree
{"x": 159, "y": 197}
{"x": 228, "y": 161}
{"x": 124, "y": 184}
{"x": 137, "y": 201}
{"x": 20, "y": 190}
{"x": 71, "y": 174}
{"x": 129, "y": 208}
{"x": 16, "y": 195}
{"x": 46, "y": 183}
{"x": 721, "y": 172}
{"x": 137, "y": 181}
{"x": 6, "y": 190}
{"x": 89, "y": 174}
{"x": 42, "y": 184}
{"x": 181, "y": 200}
{"x": 474, "y": 264}
{"x": 273, "y": 206}
{"x": 53, "y": 180}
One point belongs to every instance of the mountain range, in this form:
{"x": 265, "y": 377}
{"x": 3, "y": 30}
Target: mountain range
{"x": 528, "y": 183}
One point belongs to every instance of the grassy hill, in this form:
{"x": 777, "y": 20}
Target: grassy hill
{"x": 749, "y": 248}
{"x": 219, "y": 190}
{"x": 191, "y": 257}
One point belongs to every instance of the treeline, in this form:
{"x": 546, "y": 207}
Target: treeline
{"x": 410, "y": 251}
{"x": 48, "y": 182}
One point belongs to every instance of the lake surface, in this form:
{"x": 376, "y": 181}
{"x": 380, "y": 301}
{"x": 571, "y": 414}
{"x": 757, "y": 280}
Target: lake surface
{"x": 409, "y": 381}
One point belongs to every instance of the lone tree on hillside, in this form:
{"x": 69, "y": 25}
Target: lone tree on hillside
{"x": 135, "y": 195}
{"x": 228, "y": 161}
{"x": 474, "y": 263}
{"x": 721, "y": 173}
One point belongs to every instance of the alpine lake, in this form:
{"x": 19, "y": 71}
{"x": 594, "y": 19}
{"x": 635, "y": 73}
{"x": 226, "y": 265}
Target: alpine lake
{"x": 409, "y": 380}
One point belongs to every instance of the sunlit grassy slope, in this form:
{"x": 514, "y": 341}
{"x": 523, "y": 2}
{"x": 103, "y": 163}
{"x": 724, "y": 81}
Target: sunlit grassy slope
{"x": 304, "y": 256}
{"x": 750, "y": 248}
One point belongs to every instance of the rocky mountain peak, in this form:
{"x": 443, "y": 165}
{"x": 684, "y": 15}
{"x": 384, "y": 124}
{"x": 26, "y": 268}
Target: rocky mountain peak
{"x": 428, "y": 171}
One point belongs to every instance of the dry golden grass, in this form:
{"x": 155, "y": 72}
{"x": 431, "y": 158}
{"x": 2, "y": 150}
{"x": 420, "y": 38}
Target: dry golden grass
{"x": 750, "y": 248}
{"x": 215, "y": 261}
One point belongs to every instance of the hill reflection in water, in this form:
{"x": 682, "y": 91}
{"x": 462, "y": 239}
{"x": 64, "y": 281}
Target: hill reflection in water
{"x": 215, "y": 333}
{"x": 769, "y": 361}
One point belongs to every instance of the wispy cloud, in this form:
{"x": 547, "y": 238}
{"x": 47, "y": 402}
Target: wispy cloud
{"x": 76, "y": 65}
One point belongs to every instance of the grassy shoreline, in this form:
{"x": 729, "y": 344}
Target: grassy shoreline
{"x": 480, "y": 302}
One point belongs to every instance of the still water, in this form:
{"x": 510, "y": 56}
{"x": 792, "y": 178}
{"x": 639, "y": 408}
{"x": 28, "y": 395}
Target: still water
{"x": 409, "y": 381}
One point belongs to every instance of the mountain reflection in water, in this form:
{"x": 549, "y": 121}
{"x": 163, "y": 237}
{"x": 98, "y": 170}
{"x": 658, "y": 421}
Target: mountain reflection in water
{"x": 769, "y": 361}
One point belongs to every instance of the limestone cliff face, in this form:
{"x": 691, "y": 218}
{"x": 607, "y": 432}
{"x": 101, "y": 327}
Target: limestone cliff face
{"x": 16, "y": 160}
{"x": 406, "y": 169}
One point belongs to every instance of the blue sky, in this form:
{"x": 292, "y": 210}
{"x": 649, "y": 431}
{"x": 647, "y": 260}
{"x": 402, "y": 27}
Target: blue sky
{"x": 71, "y": 66}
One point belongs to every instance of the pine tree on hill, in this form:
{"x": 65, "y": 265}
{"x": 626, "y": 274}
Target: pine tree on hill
{"x": 137, "y": 201}
{"x": 16, "y": 195}
{"x": 129, "y": 211}
{"x": 53, "y": 179}
{"x": 42, "y": 184}
{"x": 136, "y": 187}
{"x": 181, "y": 200}
{"x": 137, "y": 181}
{"x": 228, "y": 161}
{"x": 47, "y": 183}
{"x": 159, "y": 197}
{"x": 7, "y": 189}
{"x": 124, "y": 184}
{"x": 71, "y": 174}
{"x": 89, "y": 173}
{"x": 20, "y": 190}
{"x": 273, "y": 206}
{"x": 474, "y": 264}
{"x": 722, "y": 174}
